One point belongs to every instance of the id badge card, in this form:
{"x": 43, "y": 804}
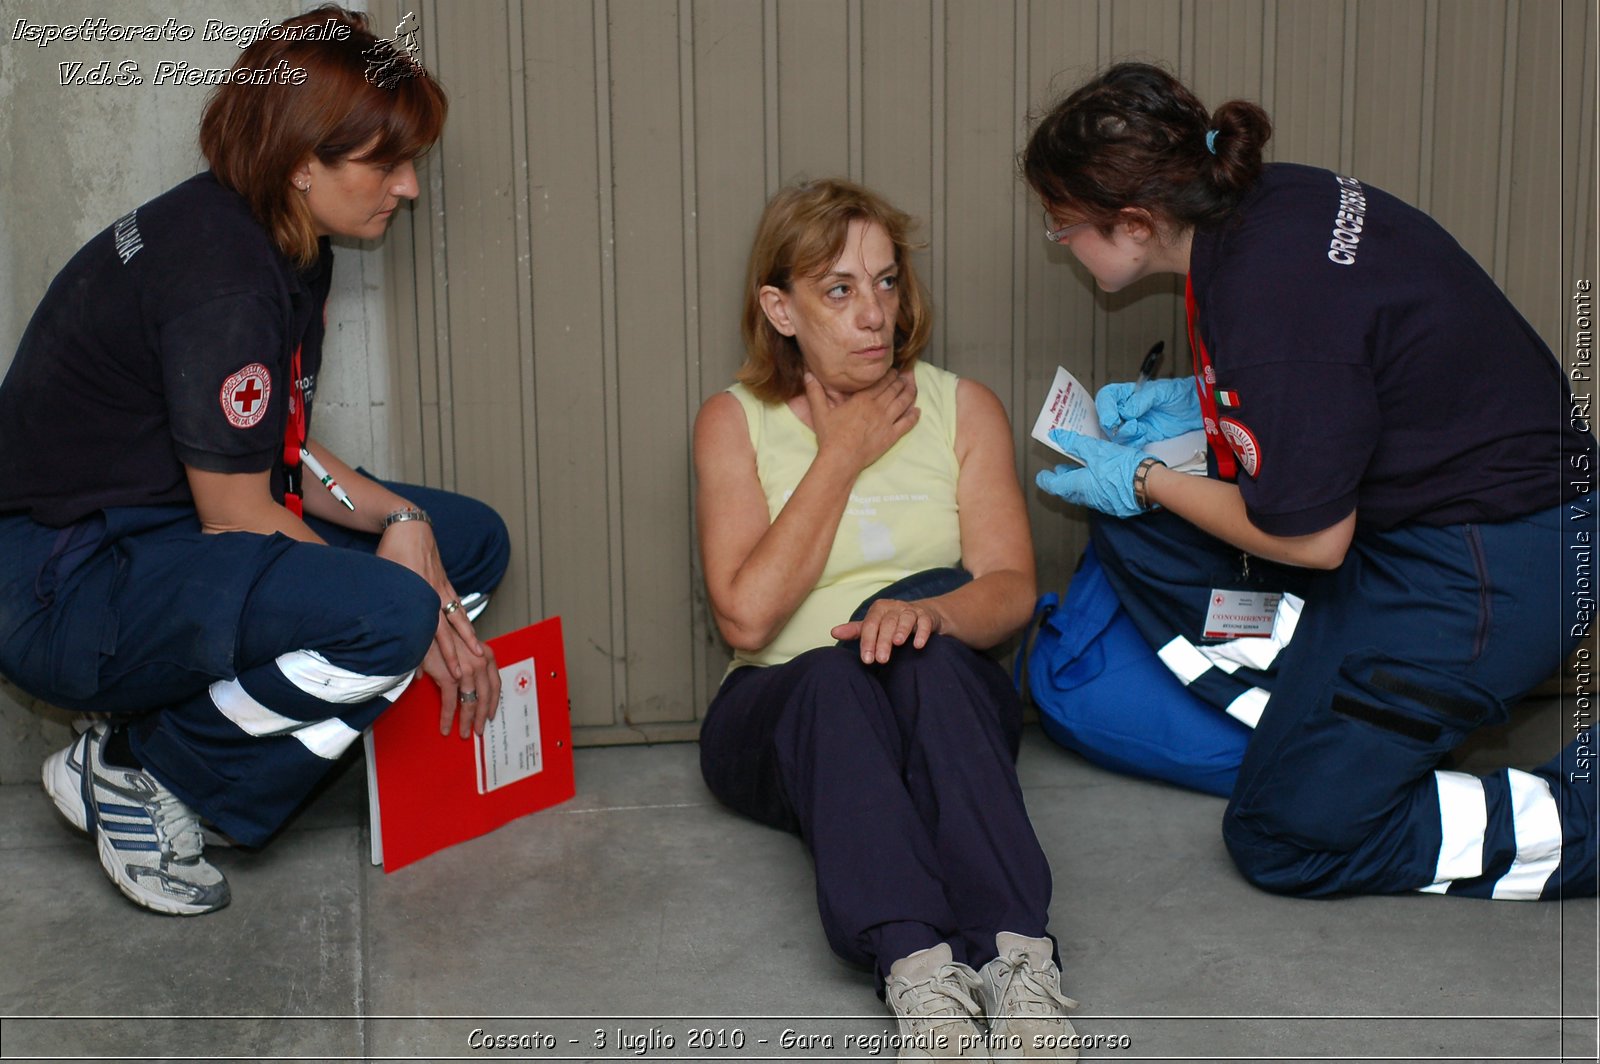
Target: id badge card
{"x": 1241, "y": 614}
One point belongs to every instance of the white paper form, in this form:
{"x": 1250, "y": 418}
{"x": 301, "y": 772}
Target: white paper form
{"x": 1070, "y": 406}
{"x": 509, "y": 748}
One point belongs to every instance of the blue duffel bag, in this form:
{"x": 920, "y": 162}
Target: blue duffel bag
{"x": 1101, "y": 691}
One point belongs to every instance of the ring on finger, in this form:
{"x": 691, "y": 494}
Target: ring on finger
{"x": 467, "y": 697}
{"x": 451, "y": 607}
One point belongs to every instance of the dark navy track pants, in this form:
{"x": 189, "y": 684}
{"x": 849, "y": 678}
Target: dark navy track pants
{"x": 901, "y": 778}
{"x": 1374, "y": 672}
{"x": 244, "y": 664}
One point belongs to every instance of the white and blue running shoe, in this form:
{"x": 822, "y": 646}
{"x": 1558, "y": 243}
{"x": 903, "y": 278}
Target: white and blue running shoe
{"x": 149, "y": 841}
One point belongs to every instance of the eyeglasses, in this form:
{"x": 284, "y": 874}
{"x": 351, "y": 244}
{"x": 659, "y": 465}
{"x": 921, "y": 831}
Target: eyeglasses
{"x": 1056, "y": 236}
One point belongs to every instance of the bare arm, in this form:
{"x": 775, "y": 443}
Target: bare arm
{"x": 372, "y": 500}
{"x": 1217, "y": 507}
{"x": 242, "y": 502}
{"x": 457, "y": 661}
{"x": 995, "y": 546}
{"x": 759, "y": 570}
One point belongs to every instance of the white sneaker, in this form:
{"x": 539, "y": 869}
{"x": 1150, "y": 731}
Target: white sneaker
{"x": 149, "y": 841}
{"x": 931, "y": 997}
{"x": 1022, "y": 995}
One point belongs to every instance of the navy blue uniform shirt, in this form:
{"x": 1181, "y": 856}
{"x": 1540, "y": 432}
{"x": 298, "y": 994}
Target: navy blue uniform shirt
{"x": 165, "y": 342}
{"x": 1366, "y": 362}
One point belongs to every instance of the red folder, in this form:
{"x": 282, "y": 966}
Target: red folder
{"x": 427, "y": 791}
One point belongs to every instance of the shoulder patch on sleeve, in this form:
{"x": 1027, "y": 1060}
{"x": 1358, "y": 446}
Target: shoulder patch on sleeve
{"x": 245, "y": 394}
{"x": 1243, "y": 444}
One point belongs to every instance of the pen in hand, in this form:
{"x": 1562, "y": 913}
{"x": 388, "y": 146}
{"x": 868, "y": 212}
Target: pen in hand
{"x": 1147, "y": 369}
{"x": 321, "y": 473}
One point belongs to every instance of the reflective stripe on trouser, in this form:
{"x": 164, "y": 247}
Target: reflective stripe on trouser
{"x": 246, "y": 663}
{"x": 1423, "y": 635}
{"x": 1212, "y": 670}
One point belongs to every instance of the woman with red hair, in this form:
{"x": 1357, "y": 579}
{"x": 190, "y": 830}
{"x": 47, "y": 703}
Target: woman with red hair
{"x": 166, "y": 563}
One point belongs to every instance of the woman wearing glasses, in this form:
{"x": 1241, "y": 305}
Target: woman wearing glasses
{"x": 1393, "y": 451}
{"x": 840, "y": 484}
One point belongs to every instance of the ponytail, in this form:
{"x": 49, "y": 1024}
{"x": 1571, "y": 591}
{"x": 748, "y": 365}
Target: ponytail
{"x": 1136, "y": 137}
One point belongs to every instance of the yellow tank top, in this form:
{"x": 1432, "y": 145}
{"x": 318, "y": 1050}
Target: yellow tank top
{"x": 901, "y": 518}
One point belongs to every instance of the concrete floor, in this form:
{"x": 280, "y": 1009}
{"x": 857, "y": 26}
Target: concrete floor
{"x": 643, "y": 912}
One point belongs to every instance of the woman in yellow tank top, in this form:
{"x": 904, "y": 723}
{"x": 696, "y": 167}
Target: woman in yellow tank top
{"x": 840, "y": 472}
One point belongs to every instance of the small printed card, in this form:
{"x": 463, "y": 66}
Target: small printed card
{"x": 1070, "y": 406}
{"x": 1241, "y": 614}
{"x": 509, "y": 749}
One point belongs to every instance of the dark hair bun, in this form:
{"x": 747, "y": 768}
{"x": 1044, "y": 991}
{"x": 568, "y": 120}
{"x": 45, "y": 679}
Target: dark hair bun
{"x": 1135, "y": 136}
{"x": 1243, "y": 130}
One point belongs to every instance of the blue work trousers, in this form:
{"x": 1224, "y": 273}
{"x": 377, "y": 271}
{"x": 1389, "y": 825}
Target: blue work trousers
{"x": 1422, "y": 635}
{"x": 244, "y": 664}
{"x": 901, "y": 779}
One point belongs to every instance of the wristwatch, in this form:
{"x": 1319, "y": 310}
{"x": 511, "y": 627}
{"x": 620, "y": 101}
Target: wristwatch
{"x": 394, "y": 517}
{"x": 1140, "y": 489}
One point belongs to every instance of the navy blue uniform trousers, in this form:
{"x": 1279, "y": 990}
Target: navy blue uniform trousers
{"x": 244, "y": 664}
{"x": 1422, "y": 635}
{"x": 901, "y": 779}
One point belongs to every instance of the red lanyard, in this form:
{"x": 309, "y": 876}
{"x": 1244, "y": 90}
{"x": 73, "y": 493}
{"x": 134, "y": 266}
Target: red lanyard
{"x": 1205, "y": 384}
{"x": 294, "y": 438}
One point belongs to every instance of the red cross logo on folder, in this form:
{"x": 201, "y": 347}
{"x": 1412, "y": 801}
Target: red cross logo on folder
{"x": 245, "y": 395}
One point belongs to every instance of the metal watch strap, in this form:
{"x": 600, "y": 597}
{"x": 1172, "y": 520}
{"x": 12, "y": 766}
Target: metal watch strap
{"x": 1140, "y": 490}
{"x": 394, "y": 517}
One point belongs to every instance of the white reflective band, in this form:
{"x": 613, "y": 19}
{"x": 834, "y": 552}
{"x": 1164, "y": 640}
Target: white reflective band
{"x": 1537, "y": 824}
{"x": 474, "y": 603}
{"x": 251, "y": 716}
{"x": 1256, "y": 652}
{"x": 1247, "y": 707}
{"x": 313, "y": 674}
{"x": 325, "y": 738}
{"x": 1463, "y": 820}
{"x": 393, "y": 693}
{"x": 1288, "y": 618}
{"x": 1186, "y": 663}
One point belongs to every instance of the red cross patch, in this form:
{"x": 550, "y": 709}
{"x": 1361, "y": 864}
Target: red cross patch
{"x": 1243, "y": 444}
{"x": 245, "y": 394}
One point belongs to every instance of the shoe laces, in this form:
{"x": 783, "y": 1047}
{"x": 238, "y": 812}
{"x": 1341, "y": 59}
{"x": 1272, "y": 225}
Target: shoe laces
{"x": 938, "y": 996}
{"x": 1039, "y": 987}
{"x": 177, "y": 825}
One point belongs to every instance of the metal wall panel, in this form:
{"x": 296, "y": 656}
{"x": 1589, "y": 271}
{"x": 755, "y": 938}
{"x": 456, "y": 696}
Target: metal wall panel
{"x": 1530, "y": 274}
{"x": 567, "y": 293}
{"x": 574, "y": 349}
{"x": 814, "y": 77}
{"x": 1467, "y": 124}
{"x": 1393, "y": 90}
{"x": 1062, "y": 317}
{"x": 973, "y": 261}
{"x": 655, "y": 291}
{"x": 1306, "y": 97}
{"x": 1578, "y": 99}
{"x": 732, "y": 164}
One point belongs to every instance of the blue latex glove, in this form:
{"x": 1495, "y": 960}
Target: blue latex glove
{"x": 1104, "y": 482}
{"x": 1159, "y": 410}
